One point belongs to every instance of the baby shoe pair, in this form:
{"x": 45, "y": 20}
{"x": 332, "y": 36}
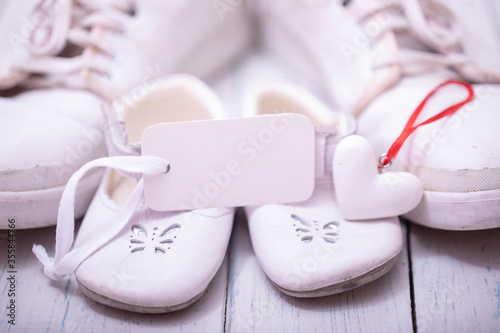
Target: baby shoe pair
{"x": 129, "y": 256}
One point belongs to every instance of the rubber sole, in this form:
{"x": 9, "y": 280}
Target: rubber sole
{"x": 136, "y": 308}
{"x": 341, "y": 287}
{"x": 39, "y": 208}
{"x": 458, "y": 211}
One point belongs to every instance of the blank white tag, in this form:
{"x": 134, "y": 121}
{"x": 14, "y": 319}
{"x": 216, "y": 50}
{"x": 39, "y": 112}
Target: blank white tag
{"x": 231, "y": 162}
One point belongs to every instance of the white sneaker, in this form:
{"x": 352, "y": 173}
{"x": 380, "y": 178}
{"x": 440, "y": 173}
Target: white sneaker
{"x": 119, "y": 45}
{"x": 47, "y": 134}
{"x": 349, "y": 51}
{"x": 308, "y": 249}
{"x": 362, "y": 47}
{"x": 477, "y": 38}
{"x": 324, "y": 43}
{"x": 458, "y": 158}
{"x": 96, "y": 49}
{"x": 126, "y": 255}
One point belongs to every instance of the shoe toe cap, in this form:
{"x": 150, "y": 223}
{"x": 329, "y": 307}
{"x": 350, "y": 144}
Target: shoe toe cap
{"x": 322, "y": 251}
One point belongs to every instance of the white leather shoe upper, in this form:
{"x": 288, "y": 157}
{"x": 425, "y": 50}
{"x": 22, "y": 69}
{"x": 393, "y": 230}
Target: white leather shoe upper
{"x": 308, "y": 249}
{"x": 127, "y": 255}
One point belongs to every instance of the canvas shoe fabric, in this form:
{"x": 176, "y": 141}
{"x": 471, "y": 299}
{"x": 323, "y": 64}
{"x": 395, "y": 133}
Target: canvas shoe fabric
{"x": 126, "y": 255}
{"x": 362, "y": 48}
{"x": 62, "y": 59}
{"x": 457, "y": 158}
{"x": 327, "y": 50}
{"x": 308, "y": 249}
{"x": 477, "y": 39}
{"x": 47, "y": 135}
{"x": 112, "y": 47}
{"x": 351, "y": 51}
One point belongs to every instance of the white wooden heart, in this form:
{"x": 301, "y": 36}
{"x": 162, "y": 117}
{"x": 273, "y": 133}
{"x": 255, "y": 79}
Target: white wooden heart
{"x": 364, "y": 193}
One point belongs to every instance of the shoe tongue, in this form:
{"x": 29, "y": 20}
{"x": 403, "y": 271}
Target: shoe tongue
{"x": 16, "y": 24}
{"x": 408, "y": 41}
{"x": 480, "y": 21}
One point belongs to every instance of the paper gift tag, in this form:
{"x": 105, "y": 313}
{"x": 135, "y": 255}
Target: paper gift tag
{"x": 231, "y": 162}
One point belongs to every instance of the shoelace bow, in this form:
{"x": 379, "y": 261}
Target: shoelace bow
{"x": 67, "y": 260}
{"x": 76, "y": 22}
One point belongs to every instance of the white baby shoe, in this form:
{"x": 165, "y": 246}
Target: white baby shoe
{"x": 71, "y": 56}
{"x": 309, "y": 249}
{"x": 126, "y": 255}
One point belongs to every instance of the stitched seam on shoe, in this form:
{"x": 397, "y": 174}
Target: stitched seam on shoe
{"x": 213, "y": 217}
{"x": 459, "y": 181}
{"x": 29, "y": 183}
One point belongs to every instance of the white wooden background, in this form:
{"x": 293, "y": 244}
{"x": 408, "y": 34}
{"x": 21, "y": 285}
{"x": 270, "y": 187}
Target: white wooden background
{"x": 443, "y": 282}
{"x": 453, "y": 286}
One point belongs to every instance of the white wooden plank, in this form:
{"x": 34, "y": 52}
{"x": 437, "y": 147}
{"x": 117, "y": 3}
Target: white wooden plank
{"x": 255, "y": 305}
{"x": 48, "y": 306}
{"x": 456, "y": 277}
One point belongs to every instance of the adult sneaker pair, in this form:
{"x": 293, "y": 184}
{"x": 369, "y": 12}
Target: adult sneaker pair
{"x": 378, "y": 60}
{"x": 62, "y": 59}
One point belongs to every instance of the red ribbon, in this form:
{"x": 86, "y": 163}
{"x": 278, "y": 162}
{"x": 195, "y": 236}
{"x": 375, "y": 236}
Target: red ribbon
{"x": 409, "y": 128}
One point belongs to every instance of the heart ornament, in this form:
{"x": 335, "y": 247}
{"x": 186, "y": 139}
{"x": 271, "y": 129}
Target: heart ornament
{"x": 365, "y": 193}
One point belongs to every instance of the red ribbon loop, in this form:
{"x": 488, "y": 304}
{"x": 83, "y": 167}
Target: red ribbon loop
{"x": 409, "y": 128}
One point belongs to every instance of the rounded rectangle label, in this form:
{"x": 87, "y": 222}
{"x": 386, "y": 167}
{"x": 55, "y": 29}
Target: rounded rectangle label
{"x": 231, "y": 162}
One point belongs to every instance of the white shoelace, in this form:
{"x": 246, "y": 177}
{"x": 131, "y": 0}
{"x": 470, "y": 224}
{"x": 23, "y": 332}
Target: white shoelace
{"x": 67, "y": 260}
{"x": 73, "y": 22}
{"x": 432, "y": 23}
